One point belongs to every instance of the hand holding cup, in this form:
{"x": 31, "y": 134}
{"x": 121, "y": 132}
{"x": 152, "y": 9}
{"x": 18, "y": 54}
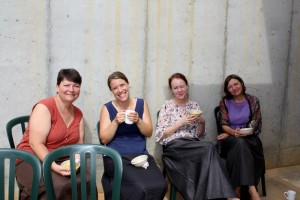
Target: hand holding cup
{"x": 128, "y": 116}
{"x": 195, "y": 112}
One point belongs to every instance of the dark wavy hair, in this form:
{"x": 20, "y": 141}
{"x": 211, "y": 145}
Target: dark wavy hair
{"x": 228, "y": 95}
{"x": 70, "y": 74}
{"x": 116, "y": 75}
{"x": 177, "y": 75}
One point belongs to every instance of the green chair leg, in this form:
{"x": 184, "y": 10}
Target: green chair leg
{"x": 173, "y": 193}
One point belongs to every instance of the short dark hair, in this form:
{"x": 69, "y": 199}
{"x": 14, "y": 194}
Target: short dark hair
{"x": 177, "y": 75}
{"x": 70, "y": 74}
{"x": 228, "y": 95}
{"x": 116, "y": 75}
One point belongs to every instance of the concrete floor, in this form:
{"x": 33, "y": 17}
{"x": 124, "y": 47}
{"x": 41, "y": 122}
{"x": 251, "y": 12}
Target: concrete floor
{"x": 278, "y": 181}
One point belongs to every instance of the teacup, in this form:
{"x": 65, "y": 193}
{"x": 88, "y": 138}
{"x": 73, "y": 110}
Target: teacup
{"x": 195, "y": 112}
{"x": 290, "y": 195}
{"x": 128, "y": 121}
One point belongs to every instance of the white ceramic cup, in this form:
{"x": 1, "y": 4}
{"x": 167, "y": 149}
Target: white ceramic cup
{"x": 127, "y": 121}
{"x": 290, "y": 195}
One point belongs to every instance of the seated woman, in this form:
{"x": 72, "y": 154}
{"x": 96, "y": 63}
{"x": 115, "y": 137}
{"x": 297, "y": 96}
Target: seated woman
{"x": 54, "y": 122}
{"x": 245, "y": 158}
{"x": 193, "y": 165}
{"x": 130, "y": 141}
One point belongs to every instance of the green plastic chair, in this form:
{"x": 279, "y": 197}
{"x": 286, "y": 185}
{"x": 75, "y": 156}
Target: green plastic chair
{"x": 224, "y": 154}
{"x": 22, "y": 121}
{"x": 12, "y": 155}
{"x": 173, "y": 191}
{"x": 87, "y": 152}
{"x": 18, "y": 121}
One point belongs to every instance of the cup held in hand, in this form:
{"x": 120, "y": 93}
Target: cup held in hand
{"x": 128, "y": 121}
{"x": 195, "y": 112}
{"x": 246, "y": 131}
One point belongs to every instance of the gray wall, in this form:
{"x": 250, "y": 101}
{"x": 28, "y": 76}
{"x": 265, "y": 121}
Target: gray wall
{"x": 149, "y": 40}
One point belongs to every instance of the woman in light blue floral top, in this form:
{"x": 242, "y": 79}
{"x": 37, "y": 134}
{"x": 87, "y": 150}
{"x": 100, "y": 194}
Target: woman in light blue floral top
{"x": 193, "y": 165}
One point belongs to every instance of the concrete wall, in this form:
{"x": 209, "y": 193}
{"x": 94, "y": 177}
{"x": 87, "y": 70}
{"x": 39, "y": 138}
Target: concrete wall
{"x": 148, "y": 41}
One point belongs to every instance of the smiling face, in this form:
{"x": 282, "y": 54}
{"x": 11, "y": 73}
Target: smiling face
{"x": 235, "y": 87}
{"x": 179, "y": 88}
{"x": 120, "y": 89}
{"x": 68, "y": 90}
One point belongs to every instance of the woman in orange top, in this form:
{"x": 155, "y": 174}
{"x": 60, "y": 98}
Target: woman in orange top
{"x": 54, "y": 122}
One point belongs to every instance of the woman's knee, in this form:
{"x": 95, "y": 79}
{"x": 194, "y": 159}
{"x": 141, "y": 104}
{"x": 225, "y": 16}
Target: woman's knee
{"x": 241, "y": 142}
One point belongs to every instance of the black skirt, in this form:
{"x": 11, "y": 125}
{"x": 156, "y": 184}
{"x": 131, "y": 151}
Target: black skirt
{"x": 245, "y": 159}
{"x": 137, "y": 183}
{"x": 196, "y": 170}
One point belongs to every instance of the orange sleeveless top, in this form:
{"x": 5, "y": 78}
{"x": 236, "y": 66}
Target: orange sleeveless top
{"x": 59, "y": 135}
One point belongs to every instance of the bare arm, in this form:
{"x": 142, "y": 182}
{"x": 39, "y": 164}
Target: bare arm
{"x": 40, "y": 124}
{"x": 145, "y": 124}
{"x": 81, "y": 132}
{"x": 228, "y": 130}
{"x": 171, "y": 129}
{"x": 108, "y": 128}
{"x": 234, "y": 133}
{"x": 201, "y": 128}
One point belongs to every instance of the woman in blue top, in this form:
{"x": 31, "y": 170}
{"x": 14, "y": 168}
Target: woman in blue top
{"x": 130, "y": 141}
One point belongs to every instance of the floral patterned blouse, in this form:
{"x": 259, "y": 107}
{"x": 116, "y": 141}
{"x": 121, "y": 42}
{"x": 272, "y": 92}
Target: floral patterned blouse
{"x": 169, "y": 114}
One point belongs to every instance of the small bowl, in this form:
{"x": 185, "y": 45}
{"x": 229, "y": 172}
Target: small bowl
{"x": 195, "y": 112}
{"x": 66, "y": 164}
{"x": 139, "y": 161}
{"x": 246, "y": 131}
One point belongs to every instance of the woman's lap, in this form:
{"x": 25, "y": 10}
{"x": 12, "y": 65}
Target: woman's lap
{"x": 137, "y": 182}
{"x": 196, "y": 170}
{"x": 245, "y": 160}
{"x": 62, "y": 185}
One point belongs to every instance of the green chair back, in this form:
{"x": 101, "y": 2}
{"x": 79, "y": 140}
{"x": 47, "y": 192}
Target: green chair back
{"x": 217, "y": 119}
{"x": 22, "y": 120}
{"x": 88, "y": 152}
{"x": 12, "y": 155}
{"x": 223, "y": 154}
{"x": 18, "y": 121}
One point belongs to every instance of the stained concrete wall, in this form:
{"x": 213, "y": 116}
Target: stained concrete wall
{"x": 149, "y": 40}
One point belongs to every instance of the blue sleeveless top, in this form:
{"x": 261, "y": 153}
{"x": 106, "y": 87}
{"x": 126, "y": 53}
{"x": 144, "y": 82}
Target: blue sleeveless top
{"x": 128, "y": 138}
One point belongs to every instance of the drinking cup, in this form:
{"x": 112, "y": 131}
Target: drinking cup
{"x": 290, "y": 195}
{"x": 127, "y": 121}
